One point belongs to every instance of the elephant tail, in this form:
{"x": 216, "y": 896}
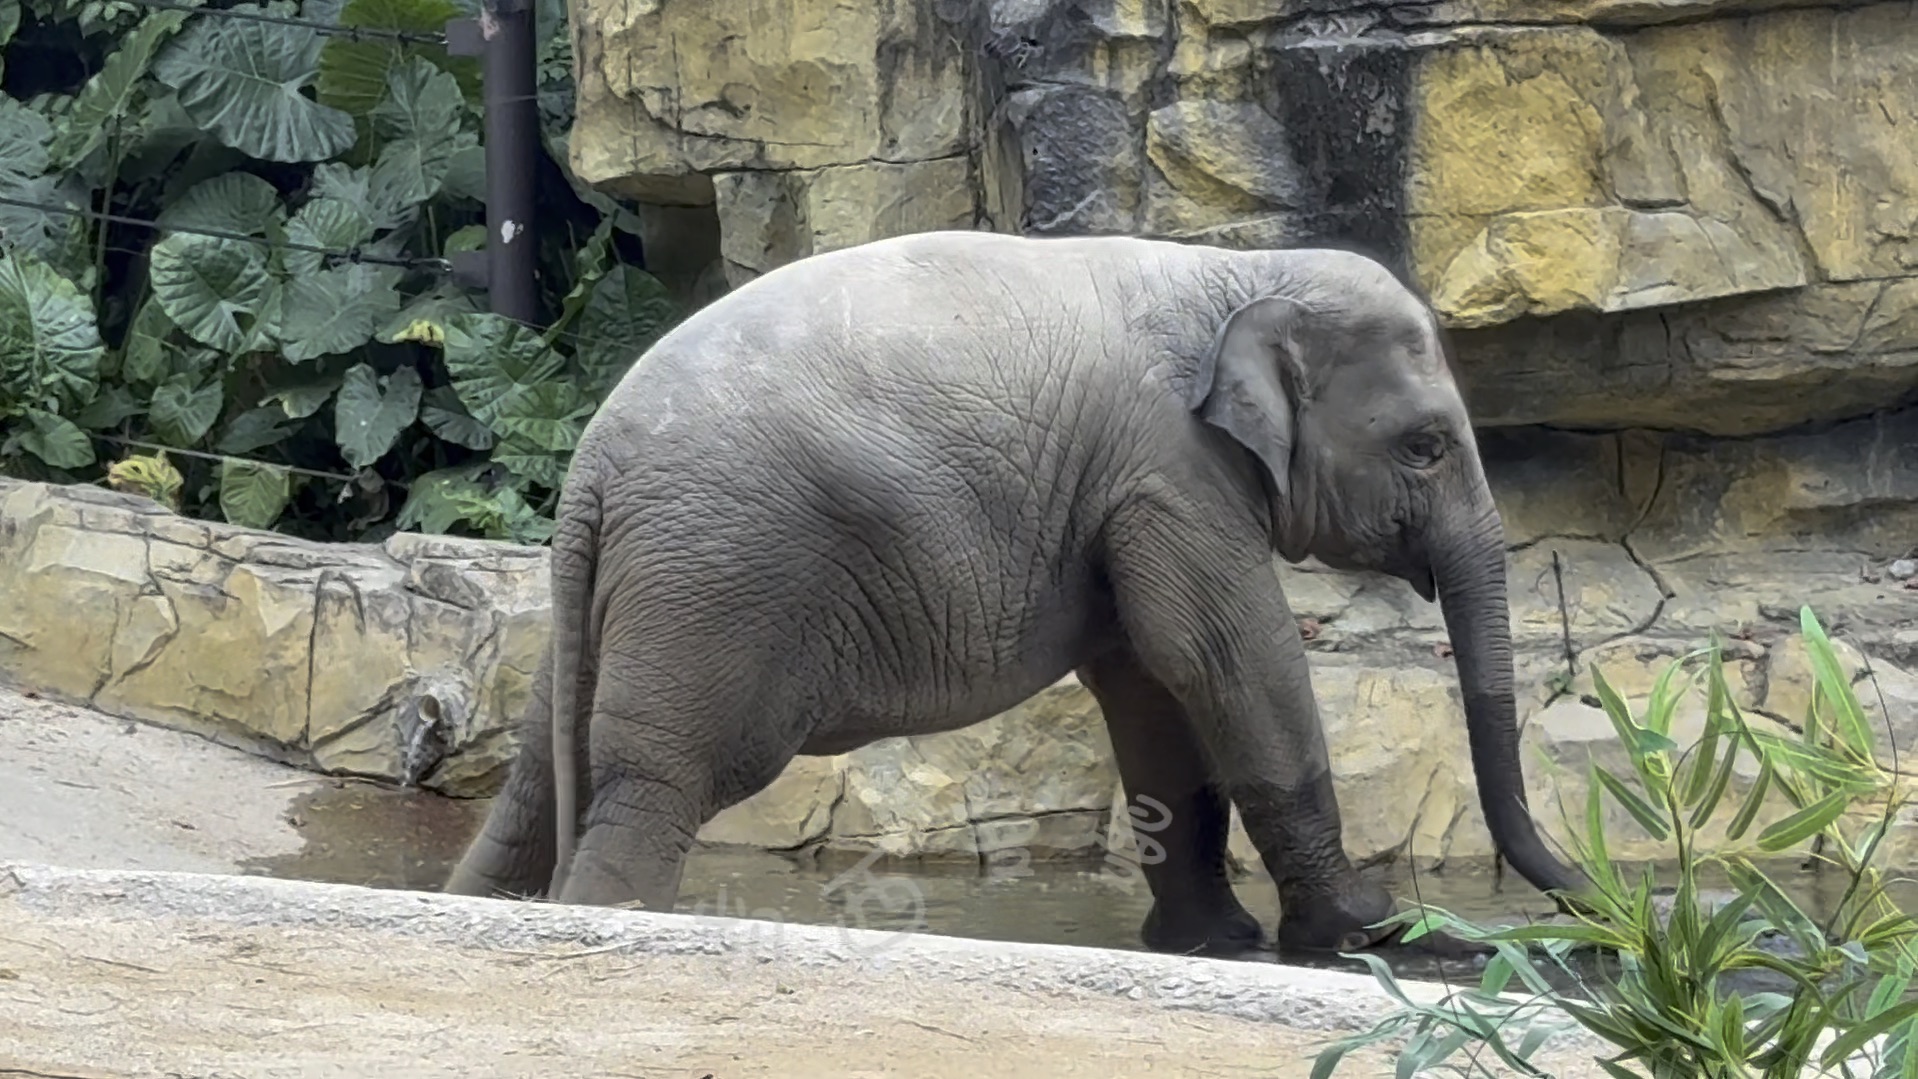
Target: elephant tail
{"x": 573, "y": 567}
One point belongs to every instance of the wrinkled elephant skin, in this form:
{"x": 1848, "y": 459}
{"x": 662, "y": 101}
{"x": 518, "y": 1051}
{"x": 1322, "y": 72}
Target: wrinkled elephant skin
{"x": 897, "y": 489}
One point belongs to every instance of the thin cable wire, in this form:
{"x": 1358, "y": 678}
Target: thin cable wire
{"x": 355, "y": 33}
{"x": 352, "y": 254}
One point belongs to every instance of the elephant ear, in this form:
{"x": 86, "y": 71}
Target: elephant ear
{"x": 1250, "y": 381}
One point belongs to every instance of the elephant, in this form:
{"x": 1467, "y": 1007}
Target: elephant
{"x": 898, "y": 488}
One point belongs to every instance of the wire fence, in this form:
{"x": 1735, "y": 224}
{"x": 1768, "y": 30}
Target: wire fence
{"x": 352, "y": 33}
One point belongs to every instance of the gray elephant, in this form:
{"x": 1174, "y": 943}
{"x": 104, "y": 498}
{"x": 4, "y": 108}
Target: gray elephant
{"x": 897, "y": 489}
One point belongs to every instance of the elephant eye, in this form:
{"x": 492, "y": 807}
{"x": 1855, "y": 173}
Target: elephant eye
{"x": 1421, "y": 449}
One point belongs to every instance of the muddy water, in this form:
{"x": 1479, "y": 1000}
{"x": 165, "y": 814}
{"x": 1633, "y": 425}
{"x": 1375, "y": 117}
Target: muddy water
{"x": 359, "y": 833}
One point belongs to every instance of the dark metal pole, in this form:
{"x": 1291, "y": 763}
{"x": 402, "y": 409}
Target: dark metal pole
{"x": 504, "y": 35}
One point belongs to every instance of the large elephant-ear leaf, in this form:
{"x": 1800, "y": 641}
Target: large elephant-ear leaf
{"x": 419, "y": 127}
{"x": 253, "y": 494}
{"x": 231, "y": 202}
{"x": 24, "y": 160}
{"x": 354, "y": 74}
{"x": 109, "y": 96}
{"x": 628, "y": 310}
{"x": 215, "y": 289}
{"x": 242, "y": 80}
{"x": 56, "y": 440}
{"x": 368, "y": 418}
{"x": 50, "y": 345}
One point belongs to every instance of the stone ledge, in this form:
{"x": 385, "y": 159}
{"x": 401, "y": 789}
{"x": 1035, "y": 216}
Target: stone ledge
{"x": 1299, "y": 998}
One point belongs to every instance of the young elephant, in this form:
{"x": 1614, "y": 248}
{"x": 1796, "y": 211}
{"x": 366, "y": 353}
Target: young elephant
{"x": 900, "y": 488}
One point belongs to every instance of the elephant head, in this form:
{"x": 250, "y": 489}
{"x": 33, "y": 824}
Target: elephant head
{"x": 1341, "y": 389}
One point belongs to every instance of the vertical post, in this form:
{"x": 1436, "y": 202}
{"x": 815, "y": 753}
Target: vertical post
{"x": 503, "y": 36}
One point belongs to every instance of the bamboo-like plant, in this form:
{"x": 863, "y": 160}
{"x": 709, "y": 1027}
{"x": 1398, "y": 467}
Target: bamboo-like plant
{"x": 1671, "y": 1009}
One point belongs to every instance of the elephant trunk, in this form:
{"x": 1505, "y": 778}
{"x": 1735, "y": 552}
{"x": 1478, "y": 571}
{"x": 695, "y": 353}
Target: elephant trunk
{"x": 1469, "y": 571}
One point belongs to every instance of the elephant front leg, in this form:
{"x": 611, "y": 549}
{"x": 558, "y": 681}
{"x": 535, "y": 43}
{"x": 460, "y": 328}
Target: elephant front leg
{"x": 1180, "y": 815}
{"x": 1208, "y": 620}
{"x": 513, "y": 854}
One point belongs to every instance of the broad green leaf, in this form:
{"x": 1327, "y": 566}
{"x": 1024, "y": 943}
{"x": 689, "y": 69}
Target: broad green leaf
{"x": 419, "y": 126}
{"x": 253, "y": 494}
{"x": 215, "y": 290}
{"x": 336, "y": 310}
{"x": 434, "y": 500}
{"x": 255, "y": 429}
{"x": 530, "y": 463}
{"x": 50, "y": 348}
{"x": 494, "y": 363}
{"x": 146, "y": 359}
{"x": 328, "y": 222}
{"x": 1647, "y": 817}
{"x": 56, "y": 440}
{"x": 304, "y": 398}
{"x": 25, "y": 140}
{"x": 549, "y": 416}
{"x": 106, "y": 101}
{"x": 232, "y": 202}
{"x": 368, "y": 416}
{"x": 468, "y": 238}
{"x": 111, "y": 405}
{"x": 1805, "y": 823}
{"x": 433, "y": 308}
{"x": 379, "y": 194}
{"x": 242, "y": 80}
{"x": 24, "y": 160}
{"x": 628, "y": 311}
{"x": 353, "y": 74}
{"x": 183, "y": 409}
{"x": 466, "y": 173}
{"x": 446, "y": 417}
{"x": 504, "y": 515}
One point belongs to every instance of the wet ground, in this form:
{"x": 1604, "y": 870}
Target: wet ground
{"x": 364, "y": 834}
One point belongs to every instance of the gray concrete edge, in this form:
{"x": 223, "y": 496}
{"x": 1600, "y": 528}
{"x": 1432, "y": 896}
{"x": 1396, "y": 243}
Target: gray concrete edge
{"x": 1334, "y": 1002}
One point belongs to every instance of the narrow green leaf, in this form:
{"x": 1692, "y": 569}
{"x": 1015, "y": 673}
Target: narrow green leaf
{"x": 1834, "y": 686}
{"x": 1854, "y": 1039}
{"x": 1641, "y": 811}
{"x": 1754, "y": 801}
{"x": 1804, "y": 824}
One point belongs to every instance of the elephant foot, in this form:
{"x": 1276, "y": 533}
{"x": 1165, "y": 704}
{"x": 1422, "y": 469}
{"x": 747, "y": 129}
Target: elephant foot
{"x": 1347, "y": 921}
{"x": 1216, "y": 934}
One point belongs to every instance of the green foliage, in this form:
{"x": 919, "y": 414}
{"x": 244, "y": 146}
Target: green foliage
{"x": 261, "y": 382}
{"x": 1674, "y": 1010}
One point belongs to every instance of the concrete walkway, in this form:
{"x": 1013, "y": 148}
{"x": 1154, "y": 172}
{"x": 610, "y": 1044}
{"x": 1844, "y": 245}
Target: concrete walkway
{"x": 147, "y": 974}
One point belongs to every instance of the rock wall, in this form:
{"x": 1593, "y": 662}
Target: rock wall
{"x": 1677, "y": 241}
{"x": 409, "y": 660}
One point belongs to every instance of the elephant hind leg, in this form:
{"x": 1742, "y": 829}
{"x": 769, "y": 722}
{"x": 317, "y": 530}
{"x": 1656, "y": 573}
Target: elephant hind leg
{"x": 1180, "y": 816}
{"x": 513, "y": 854}
{"x": 665, "y": 761}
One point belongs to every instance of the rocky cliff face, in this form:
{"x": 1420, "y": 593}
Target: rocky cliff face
{"x": 1676, "y": 240}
